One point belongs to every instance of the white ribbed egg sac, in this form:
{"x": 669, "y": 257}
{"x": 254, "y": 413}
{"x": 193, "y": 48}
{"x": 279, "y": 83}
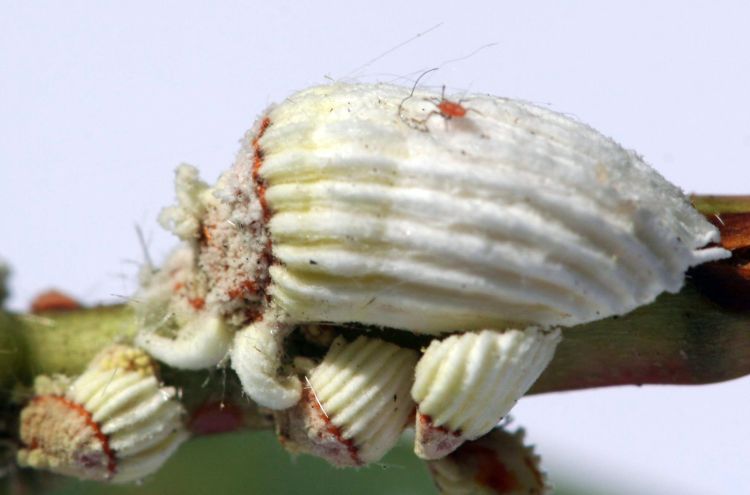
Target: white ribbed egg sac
{"x": 114, "y": 423}
{"x": 355, "y": 404}
{"x": 466, "y": 383}
{"x": 384, "y": 211}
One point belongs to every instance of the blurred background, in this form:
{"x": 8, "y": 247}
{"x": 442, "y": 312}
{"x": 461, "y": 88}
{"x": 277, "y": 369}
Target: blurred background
{"x": 99, "y": 101}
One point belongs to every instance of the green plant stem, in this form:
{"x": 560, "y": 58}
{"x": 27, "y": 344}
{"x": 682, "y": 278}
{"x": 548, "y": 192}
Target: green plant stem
{"x": 61, "y": 342}
{"x": 679, "y": 339}
{"x": 712, "y": 204}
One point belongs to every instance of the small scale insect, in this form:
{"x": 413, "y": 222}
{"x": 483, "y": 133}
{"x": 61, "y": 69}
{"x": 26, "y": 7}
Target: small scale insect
{"x": 115, "y": 422}
{"x": 335, "y": 421}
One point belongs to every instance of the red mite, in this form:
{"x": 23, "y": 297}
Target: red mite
{"x": 447, "y": 109}
{"x": 450, "y": 109}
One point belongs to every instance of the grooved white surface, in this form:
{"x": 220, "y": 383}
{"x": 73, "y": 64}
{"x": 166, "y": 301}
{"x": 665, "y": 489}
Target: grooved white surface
{"x": 256, "y": 357}
{"x": 387, "y": 213}
{"x": 143, "y": 421}
{"x": 363, "y": 388}
{"x": 467, "y": 383}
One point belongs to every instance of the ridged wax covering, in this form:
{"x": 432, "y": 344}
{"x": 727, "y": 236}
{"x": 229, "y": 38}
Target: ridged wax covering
{"x": 384, "y": 212}
{"x": 114, "y": 422}
{"x": 176, "y": 327}
{"x": 257, "y": 354}
{"x": 356, "y": 403}
{"x": 498, "y": 463}
{"x": 467, "y": 383}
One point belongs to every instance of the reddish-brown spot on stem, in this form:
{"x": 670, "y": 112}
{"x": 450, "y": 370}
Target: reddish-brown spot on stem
{"x": 216, "y": 417}
{"x": 727, "y": 282}
{"x": 734, "y": 228}
{"x": 53, "y": 300}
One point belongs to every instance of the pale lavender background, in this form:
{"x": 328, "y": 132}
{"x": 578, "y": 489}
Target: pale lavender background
{"x": 100, "y": 100}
